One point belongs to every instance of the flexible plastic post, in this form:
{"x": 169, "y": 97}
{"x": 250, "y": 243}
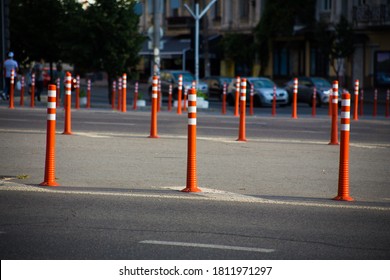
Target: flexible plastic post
{"x": 295, "y": 99}
{"x": 77, "y": 104}
{"x": 274, "y": 102}
{"x": 185, "y": 99}
{"x": 88, "y": 94}
{"x": 12, "y": 90}
{"x": 119, "y": 94}
{"x": 242, "y": 132}
{"x": 58, "y": 92}
{"x": 237, "y": 97}
{"x": 356, "y": 101}
{"x": 68, "y": 102}
{"x": 32, "y": 96}
{"x": 334, "y": 133}
{"x": 124, "y": 93}
{"x": 153, "y": 124}
{"x": 224, "y": 99}
{"x": 343, "y": 186}
{"x": 314, "y": 103}
{"x": 135, "y": 98}
{"x": 251, "y": 97}
{"x": 191, "y": 185}
{"x": 179, "y": 92}
{"x": 113, "y": 95}
{"x": 49, "y": 179}
{"x": 170, "y": 98}
{"x": 159, "y": 99}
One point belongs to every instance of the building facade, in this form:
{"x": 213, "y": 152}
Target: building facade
{"x": 289, "y": 56}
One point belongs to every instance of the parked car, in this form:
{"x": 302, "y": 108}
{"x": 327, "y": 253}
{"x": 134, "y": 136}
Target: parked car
{"x": 306, "y": 88}
{"x": 263, "y": 92}
{"x": 169, "y": 77}
{"x": 215, "y": 85}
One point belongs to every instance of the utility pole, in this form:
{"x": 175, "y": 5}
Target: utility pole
{"x": 197, "y": 16}
{"x": 157, "y": 7}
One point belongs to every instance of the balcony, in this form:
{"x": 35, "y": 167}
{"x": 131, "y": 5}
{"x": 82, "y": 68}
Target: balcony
{"x": 371, "y": 15}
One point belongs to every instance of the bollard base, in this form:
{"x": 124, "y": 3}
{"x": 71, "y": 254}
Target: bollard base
{"x": 153, "y": 136}
{"x": 49, "y": 184}
{"x": 242, "y": 139}
{"x": 196, "y": 189}
{"x": 343, "y": 198}
{"x": 67, "y": 133}
{"x": 333, "y": 143}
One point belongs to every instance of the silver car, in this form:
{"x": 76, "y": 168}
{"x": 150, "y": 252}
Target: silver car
{"x": 263, "y": 92}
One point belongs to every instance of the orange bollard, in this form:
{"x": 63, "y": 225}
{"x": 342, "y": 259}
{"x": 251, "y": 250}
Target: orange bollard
{"x": 191, "y": 185}
{"x": 330, "y": 104}
{"x": 295, "y": 99}
{"x": 159, "y": 95}
{"x": 356, "y": 101}
{"x": 170, "y": 98}
{"x": 274, "y": 102}
{"x": 241, "y": 132}
{"x": 185, "y": 99}
{"x": 387, "y": 114}
{"x": 237, "y": 97}
{"x": 50, "y": 177}
{"x": 32, "y": 97}
{"x": 251, "y": 96}
{"x": 119, "y": 108}
{"x": 88, "y": 94}
{"x": 22, "y": 92}
{"x": 314, "y": 103}
{"x": 335, "y": 110}
{"x": 67, "y": 103}
{"x": 179, "y": 92}
{"x": 224, "y": 99}
{"x": 374, "y": 112}
{"x": 77, "y": 105}
{"x": 113, "y": 95}
{"x": 124, "y": 93}
{"x": 58, "y": 92}
{"x": 153, "y": 124}
{"x": 135, "y": 96}
{"x": 361, "y": 102}
{"x": 12, "y": 90}
{"x": 343, "y": 187}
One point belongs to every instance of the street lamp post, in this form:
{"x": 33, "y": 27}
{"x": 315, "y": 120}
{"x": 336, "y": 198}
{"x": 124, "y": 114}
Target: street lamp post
{"x": 197, "y": 16}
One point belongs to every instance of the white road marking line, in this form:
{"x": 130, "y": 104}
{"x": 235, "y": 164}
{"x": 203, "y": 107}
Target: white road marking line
{"x": 207, "y": 246}
{"x": 195, "y": 196}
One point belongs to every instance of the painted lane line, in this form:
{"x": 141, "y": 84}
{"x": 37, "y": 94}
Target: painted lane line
{"x": 207, "y": 246}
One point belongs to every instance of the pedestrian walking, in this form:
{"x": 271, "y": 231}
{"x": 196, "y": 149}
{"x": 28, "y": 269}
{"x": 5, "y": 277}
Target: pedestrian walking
{"x": 9, "y": 65}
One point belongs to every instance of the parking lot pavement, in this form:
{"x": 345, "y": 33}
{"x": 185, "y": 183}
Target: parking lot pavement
{"x": 121, "y": 157}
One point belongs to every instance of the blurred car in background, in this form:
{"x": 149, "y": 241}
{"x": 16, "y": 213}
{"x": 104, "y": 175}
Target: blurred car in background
{"x": 263, "y": 92}
{"x": 215, "y": 85}
{"x": 171, "y": 77}
{"x": 306, "y": 89}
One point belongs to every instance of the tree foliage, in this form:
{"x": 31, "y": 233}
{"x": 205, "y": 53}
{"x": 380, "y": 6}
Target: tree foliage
{"x": 103, "y": 36}
{"x": 278, "y": 19}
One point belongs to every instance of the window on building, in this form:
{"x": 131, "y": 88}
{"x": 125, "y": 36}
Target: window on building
{"x": 216, "y": 11}
{"x": 327, "y": 5}
{"x": 174, "y": 8}
{"x": 244, "y": 9}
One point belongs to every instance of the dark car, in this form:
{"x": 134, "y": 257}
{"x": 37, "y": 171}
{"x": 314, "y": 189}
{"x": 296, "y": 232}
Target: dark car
{"x": 215, "y": 85}
{"x": 171, "y": 77}
{"x": 306, "y": 88}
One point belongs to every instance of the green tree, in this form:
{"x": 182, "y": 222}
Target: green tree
{"x": 278, "y": 19}
{"x": 114, "y": 40}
